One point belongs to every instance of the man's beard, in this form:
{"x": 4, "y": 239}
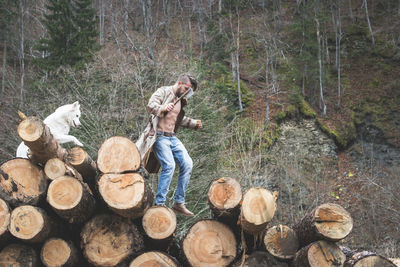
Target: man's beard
{"x": 180, "y": 91}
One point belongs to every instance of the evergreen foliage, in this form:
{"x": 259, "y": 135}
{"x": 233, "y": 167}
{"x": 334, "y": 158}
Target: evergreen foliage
{"x": 71, "y": 27}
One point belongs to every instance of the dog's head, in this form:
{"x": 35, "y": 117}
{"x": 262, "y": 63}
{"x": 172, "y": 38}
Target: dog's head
{"x": 72, "y": 114}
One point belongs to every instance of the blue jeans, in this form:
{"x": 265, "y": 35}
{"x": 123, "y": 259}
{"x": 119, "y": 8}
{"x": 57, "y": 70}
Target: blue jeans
{"x": 170, "y": 150}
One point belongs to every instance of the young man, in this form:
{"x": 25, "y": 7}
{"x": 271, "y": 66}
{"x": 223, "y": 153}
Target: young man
{"x": 159, "y": 139}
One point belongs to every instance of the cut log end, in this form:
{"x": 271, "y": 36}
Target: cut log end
{"x": 153, "y": 258}
{"x": 54, "y": 168}
{"x": 18, "y": 255}
{"x": 26, "y": 222}
{"x": 30, "y": 129}
{"x": 76, "y": 156}
{"x": 320, "y": 253}
{"x": 332, "y": 221}
{"x": 209, "y": 243}
{"x": 281, "y": 241}
{"x": 56, "y": 252}
{"x": 159, "y": 222}
{"x": 118, "y": 154}
{"x": 225, "y": 193}
{"x": 64, "y": 193}
{"x": 4, "y": 217}
{"x": 367, "y": 258}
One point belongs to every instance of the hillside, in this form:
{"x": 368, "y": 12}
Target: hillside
{"x": 282, "y": 139}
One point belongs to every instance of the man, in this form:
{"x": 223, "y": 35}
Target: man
{"x": 159, "y": 139}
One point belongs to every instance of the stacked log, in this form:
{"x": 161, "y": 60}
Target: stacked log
{"x": 319, "y": 253}
{"x": 367, "y": 258}
{"x": 58, "y": 252}
{"x": 154, "y": 258}
{"x": 281, "y": 241}
{"x": 4, "y": 222}
{"x": 55, "y": 168}
{"x": 19, "y": 255}
{"x": 80, "y": 160}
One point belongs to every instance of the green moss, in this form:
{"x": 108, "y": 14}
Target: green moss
{"x": 306, "y": 110}
{"x": 280, "y": 117}
{"x": 343, "y": 137}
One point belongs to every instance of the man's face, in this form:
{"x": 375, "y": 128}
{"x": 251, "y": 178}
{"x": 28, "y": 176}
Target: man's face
{"x": 183, "y": 88}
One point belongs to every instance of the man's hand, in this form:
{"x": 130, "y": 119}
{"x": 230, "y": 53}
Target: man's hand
{"x": 199, "y": 125}
{"x": 169, "y": 107}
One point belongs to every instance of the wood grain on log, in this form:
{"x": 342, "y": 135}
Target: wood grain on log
{"x": 126, "y": 194}
{"x": 154, "y": 258}
{"x": 118, "y": 154}
{"x": 22, "y": 182}
{"x": 30, "y": 224}
{"x": 58, "y": 252}
{"x": 71, "y": 199}
{"x": 258, "y": 259}
{"x": 108, "y": 239}
{"x": 42, "y": 145}
{"x": 258, "y": 209}
{"x": 209, "y": 243}
{"x": 319, "y": 254}
{"x": 224, "y": 197}
{"x": 281, "y": 241}
{"x": 55, "y": 168}
{"x": 328, "y": 221}
{"x": 369, "y": 259}
{"x": 18, "y": 255}
{"x": 4, "y": 221}
{"x": 83, "y": 163}
{"x": 159, "y": 222}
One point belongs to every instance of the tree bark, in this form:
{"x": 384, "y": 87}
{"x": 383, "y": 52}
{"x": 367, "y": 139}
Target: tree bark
{"x": 328, "y": 221}
{"x": 37, "y": 136}
{"x": 320, "y": 253}
{"x": 258, "y": 209}
{"x": 21, "y": 50}
{"x": 22, "y": 182}
{"x": 154, "y": 258}
{"x": 83, "y": 163}
{"x": 30, "y": 224}
{"x": 369, "y": 23}
{"x": 19, "y": 255}
{"x": 108, "y": 240}
{"x": 367, "y": 258}
{"x": 4, "y": 222}
{"x": 321, "y": 90}
{"x": 118, "y": 154}
{"x": 159, "y": 223}
{"x": 224, "y": 197}
{"x": 71, "y": 199}
{"x": 282, "y": 242}
{"x": 260, "y": 258}
{"x": 58, "y": 252}
{"x": 126, "y": 194}
{"x": 209, "y": 242}
{"x": 3, "y": 76}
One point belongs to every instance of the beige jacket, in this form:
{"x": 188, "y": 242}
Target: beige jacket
{"x": 156, "y": 106}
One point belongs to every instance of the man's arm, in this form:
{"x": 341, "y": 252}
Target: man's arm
{"x": 191, "y": 123}
{"x": 155, "y": 105}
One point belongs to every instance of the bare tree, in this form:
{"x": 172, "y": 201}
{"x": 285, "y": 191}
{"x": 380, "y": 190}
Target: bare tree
{"x": 321, "y": 91}
{"x": 147, "y": 26}
{"x": 339, "y": 26}
{"x": 369, "y": 22}
{"x": 350, "y": 10}
{"x": 101, "y": 21}
{"x": 220, "y": 16}
{"x": 3, "y": 76}
{"x": 21, "y": 49}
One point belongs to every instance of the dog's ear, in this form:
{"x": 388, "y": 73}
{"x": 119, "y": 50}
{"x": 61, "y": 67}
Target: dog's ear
{"x": 75, "y": 104}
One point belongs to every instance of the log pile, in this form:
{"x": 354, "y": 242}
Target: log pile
{"x": 60, "y": 208}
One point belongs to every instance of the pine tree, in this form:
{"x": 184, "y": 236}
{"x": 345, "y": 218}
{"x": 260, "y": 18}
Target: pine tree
{"x": 71, "y": 30}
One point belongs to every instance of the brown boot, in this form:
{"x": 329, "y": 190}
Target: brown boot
{"x": 181, "y": 208}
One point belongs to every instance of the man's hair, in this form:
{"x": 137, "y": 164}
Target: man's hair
{"x": 185, "y": 78}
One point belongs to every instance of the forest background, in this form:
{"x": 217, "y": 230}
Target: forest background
{"x": 263, "y": 66}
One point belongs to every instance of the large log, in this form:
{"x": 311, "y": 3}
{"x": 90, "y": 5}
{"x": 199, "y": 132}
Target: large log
{"x": 108, "y": 240}
{"x": 22, "y": 182}
{"x": 117, "y": 155}
{"x": 154, "y": 258}
{"x": 19, "y": 255}
{"x": 58, "y": 252}
{"x": 258, "y": 209}
{"x": 159, "y": 223}
{"x": 370, "y": 259}
{"x": 259, "y": 258}
{"x": 55, "y": 168}
{"x": 126, "y": 194}
{"x": 209, "y": 243}
{"x": 71, "y": 199}
{"x": 4, "y": 222}
{"x": 328, "y": 221}
{"x": 281, "y": 241}
{"x": 83, "y": 163}
{"x": 319, "y": 254}
{"x": 224, "y": 197}
{"x": 30, "y": 224}
{"x": 42, "y": 145}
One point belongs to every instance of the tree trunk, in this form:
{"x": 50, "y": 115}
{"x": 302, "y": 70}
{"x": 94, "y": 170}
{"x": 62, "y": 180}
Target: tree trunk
{"x": 367, "y": 258}
{"x": 30, "y": 224}
{"x": 321, "y": 90}
{"x": 55, "y": 168}
{"x": 19, "y": 255}
{"x": 369, "y": 23}
{"x": 282, "y": 242}
{"x": 71, "y": 199}
{"x": 107, "y": 240}
{"x": 328, "y": 221}
{"x": 118, "y": 154}
{"x": 159, "y": 223}
{"x": 3, "y": 74}
{"x": 37, "y": 136}
{"x": 209, "y": 242}
{"x": 154, "y": 258}
{"x": 21, "y": 50}
{"x": 4, "y": 222}
{"x": 224, "y": 197}
{"x": 22, "y": 182}
{"x": 83, "y": 163}
{"x": 126, "y": 194}
{"x": 58, "y": 252}
{"x": 258, "y": 209}
{"x": 320, "y": 253}
{"x": 101, "y": 21}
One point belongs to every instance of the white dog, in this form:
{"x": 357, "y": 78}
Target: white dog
{"x": 59, "y": 124}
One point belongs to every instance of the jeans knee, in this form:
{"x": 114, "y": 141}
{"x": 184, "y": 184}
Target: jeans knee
{"x": 187, "y": 165}
{"x": 168, "y": 167}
